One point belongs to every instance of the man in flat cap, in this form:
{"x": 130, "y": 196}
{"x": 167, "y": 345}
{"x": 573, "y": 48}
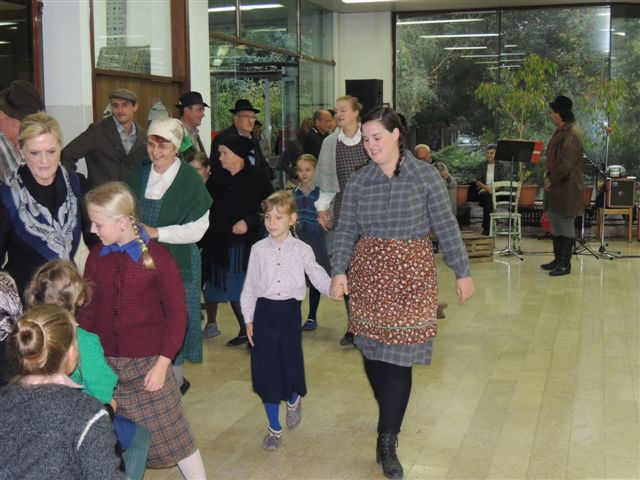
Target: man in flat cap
{"x": 16, "y": 102}
{"x": 244, "y": 118}
{"x": 191, "y": 109}
{"x": 112, "y": 146}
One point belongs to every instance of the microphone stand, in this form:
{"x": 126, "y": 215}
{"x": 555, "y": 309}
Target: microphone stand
{"x": 604, "y": 253}
{"x": 581, "y": 246}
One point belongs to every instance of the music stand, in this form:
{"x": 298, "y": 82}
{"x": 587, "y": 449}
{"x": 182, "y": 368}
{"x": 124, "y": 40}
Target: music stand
{"x": 515, "y": 151}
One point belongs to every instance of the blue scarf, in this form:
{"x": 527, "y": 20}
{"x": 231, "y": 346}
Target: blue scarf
{"x": 132, "y": 248}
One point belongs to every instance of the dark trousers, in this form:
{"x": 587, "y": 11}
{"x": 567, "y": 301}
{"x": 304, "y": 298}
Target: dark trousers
{"x": 391, "y": 386}
{"x": 486, "y": 202}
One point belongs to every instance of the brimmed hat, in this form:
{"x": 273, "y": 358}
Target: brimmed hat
{"x": 239, "y": 145}
{"x": 561, "y": 104}
{"x": 243, "y": 104}
{"x": 20, "y": 99}
{"x": 168, "y": 128}
{"x": 190, "y": 98}
{"x": 124, "y": 94}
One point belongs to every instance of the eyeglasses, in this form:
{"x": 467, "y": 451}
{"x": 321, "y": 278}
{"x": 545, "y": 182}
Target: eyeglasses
{"x": 245, "y": 116}
{"x": 163, "y": 147}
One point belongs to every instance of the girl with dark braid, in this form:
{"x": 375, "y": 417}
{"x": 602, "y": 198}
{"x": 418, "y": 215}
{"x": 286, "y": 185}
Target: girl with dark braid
{"x": 382, "y": 257}
{"x": 139, "y": 313}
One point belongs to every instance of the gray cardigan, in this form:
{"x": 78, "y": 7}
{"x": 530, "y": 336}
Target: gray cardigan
{"x": 55, "y": 432}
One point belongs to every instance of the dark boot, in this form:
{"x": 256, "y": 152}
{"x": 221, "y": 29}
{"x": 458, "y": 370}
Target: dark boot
{"x": 556, "y": 249}
{"x": 386, "y": 455}
{"x": 564, "y": 258}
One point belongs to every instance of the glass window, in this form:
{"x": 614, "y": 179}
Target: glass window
{"x": 316, "y": 87}
{"x": 222, "y": 17}
{"x": 15, "y": 47}
{"x": 316, "y": 30}
{"x": 133, "y": 36}
{"x": 272, "y": 23}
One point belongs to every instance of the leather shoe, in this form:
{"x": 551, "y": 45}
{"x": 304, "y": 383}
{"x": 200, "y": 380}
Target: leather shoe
{"x": 239, "y": 340}
{"x": 186, "y": 385}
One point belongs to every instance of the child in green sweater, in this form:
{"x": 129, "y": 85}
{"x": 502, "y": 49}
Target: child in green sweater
{"x": 59, "y": 282}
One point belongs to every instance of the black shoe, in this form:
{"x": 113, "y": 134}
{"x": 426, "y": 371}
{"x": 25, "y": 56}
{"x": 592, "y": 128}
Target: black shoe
{"x": 556, "y": 250}
{"x": 239, "y": 340}
{"x": 564, "y": 257}
{"x": 386, "y": 455}
{"x": 347, "y": 340}
{"x": 186, "y": 385}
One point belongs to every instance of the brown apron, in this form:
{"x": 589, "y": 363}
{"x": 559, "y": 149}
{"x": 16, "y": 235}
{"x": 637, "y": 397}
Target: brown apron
{"x": 393, "y": 296}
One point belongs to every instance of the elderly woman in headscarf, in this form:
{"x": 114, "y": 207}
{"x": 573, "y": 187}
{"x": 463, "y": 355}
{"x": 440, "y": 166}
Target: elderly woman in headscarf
{"x": 237, "y": 190}
{"x": 174, "y": 207}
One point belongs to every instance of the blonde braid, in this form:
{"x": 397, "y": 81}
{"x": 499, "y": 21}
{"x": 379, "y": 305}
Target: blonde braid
{"x": 147, "y": 260}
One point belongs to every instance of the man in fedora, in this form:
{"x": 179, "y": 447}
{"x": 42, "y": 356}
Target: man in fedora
{"x": 244, "y": 118}
{"x": 191, "y": 109}
{"x": 16, "y": 102}
{"x": 112, "y": 146}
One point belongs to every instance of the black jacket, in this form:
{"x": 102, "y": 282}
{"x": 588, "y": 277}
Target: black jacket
{"x": 261, "y": 165}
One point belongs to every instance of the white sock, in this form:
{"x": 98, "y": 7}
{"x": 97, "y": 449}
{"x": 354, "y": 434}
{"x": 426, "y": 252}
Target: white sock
{"x": 192, "y": 467}
{"x": 177, "y": 372}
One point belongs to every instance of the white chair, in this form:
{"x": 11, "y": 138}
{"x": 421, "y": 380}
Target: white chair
{"x": 505, "y": 197}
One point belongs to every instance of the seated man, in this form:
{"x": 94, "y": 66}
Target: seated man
{"x": 488, "y": 172}
{"x": 423, "y": 152}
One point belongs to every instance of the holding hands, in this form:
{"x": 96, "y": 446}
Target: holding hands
{"x": 339, "y": 287}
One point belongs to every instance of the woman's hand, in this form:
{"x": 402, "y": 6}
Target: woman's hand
{"x": 323, "y": 220}
{"x": 465, "y": 288}
{"x": 250, "y": 333}
{"x": 240, "y": 228}
{"x": 114, "y": 404}
{"x": 339, "y": 287}
{"x": 154, "y": 379}
{"x": 547, "y": 184}
{"x": 151, "y": 231}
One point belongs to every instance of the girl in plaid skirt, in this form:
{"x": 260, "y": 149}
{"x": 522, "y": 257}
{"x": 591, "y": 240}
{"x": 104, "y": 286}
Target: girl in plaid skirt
{"x": 139, "y": 312}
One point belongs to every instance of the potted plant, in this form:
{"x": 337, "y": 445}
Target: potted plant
{"x": 521, "y": 96}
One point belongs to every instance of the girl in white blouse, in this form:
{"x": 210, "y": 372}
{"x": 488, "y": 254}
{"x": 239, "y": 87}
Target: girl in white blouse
{"x": 273, "y": 290}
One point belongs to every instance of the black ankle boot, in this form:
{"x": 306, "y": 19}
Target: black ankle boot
{"x": 556, "y": 250}
{"x": 386, "y": 455}
{"x": 564, "y": 258}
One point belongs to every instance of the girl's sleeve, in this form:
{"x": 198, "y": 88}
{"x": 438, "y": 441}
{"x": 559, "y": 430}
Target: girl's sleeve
{"x": 317, "y": 275}
{"x": 93, "y": 372}
{"x": 248, "y": 297}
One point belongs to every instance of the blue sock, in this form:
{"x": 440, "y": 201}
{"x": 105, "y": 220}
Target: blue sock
{"x": 293, "y": 398}
{"x": 273, "y": 414}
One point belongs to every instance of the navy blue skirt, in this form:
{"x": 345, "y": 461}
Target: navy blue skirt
{"x": 277, "y": 364}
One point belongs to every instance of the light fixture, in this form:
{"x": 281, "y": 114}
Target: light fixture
{"x": 367, "y": 1}
{"x": 510, "y": 46}
{"x": 245, "y": 7}
{"x": 489, "y": 55}
{"x": 461, "y": 35}
{"x": 4, "y": 42}
{"x": 7, "y": 24}
{"x": 621, "y": 34}
{"x": 466, "y": 48}
{"x": 455, "y": 20}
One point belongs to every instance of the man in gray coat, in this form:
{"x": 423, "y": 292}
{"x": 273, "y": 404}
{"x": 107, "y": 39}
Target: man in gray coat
{"x": 112, "y": 146}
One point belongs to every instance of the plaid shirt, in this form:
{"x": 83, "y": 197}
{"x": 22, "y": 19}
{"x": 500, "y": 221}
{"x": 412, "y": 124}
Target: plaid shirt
{"x": 9, "y": 157}
{"x": 127, "y": 140}
{"x": 405, "y": 207}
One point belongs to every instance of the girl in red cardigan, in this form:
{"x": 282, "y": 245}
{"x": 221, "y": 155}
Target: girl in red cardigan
{"x": 139, "y": 312}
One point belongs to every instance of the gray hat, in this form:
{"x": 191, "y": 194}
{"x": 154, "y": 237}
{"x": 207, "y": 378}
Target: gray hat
{"x": 20, "y": 99}
{"x": 124, "y": 94}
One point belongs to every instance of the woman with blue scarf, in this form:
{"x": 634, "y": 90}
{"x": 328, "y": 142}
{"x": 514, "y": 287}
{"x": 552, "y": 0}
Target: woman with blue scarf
{"x": 39, "y": 208}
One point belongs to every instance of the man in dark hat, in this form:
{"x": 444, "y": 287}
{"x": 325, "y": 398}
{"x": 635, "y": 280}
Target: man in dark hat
{"x": 112, "y": 146}
{"x": 16, "y": 102}
{"x": 244, "y": 118}
{"x": 191, "y": 109}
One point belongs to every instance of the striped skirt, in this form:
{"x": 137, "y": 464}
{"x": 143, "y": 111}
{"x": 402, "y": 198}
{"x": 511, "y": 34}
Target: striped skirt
{"x": 159, "y": 412}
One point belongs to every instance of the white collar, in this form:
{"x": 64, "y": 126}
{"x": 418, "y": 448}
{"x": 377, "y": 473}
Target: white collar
{"x": 350, "y": 141}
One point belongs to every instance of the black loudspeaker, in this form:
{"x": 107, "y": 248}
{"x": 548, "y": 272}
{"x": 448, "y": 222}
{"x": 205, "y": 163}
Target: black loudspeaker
{"x": 621, "y": 192}
{"x": 368, "y": 92}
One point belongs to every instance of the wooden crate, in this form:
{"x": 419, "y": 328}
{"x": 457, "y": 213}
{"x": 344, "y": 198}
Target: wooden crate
{"x": 479, "y": 247}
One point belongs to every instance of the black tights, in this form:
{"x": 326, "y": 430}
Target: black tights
{"x": 391, "y": 386}
{"x": 314, "y": 301}
{"x": 212, "y": 313}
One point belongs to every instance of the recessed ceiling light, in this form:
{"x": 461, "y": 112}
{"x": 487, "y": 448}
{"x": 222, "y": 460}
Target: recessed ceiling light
{"x": 245, "y": 7}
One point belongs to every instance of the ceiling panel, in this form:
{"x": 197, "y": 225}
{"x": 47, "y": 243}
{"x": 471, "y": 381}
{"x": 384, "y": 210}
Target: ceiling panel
{"x": 424, "y": 5}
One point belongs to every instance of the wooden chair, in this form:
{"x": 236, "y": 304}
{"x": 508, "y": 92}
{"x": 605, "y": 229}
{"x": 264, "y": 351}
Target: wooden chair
{"x": 505, "y": 196}
{"x": 603, "y": 212}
